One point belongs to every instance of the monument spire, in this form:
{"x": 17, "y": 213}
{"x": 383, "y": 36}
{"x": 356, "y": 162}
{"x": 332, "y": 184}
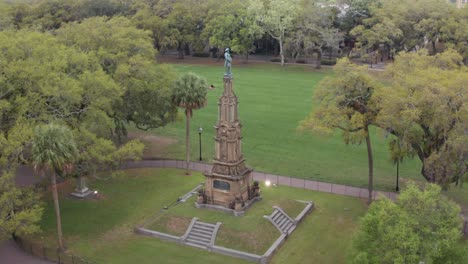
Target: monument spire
{"x": 229, "y": 183}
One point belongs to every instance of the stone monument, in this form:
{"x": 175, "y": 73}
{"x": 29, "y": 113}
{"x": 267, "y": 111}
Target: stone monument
{"x": 229, "y": 184}
{"x": 81, "y": 190}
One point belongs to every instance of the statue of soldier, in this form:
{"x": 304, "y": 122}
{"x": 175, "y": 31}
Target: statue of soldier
{"x": 227, "y": 61}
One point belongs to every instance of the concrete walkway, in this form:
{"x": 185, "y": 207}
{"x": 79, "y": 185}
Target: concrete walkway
{"x": 10, "y": 253}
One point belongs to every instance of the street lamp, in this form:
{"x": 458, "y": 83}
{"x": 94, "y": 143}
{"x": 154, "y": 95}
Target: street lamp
{"x": 200, "y": 131}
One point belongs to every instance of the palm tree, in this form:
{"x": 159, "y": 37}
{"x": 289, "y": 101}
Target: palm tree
{"x": 53, "y": 150}
{"x": 189, "y": 93}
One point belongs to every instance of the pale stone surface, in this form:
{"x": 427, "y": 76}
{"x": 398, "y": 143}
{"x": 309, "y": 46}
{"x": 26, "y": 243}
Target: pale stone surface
{"x": 311, "y": 185}
{"x": 352, "y": 191}
{"x": 338, "y": 189}
{"x": 284, "y": 180}
{"x": 298, "y": 183}
{"x": 324, "y": 187}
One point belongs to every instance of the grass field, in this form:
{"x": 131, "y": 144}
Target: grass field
{"x": 272, "y": 102}
{"x": 102, "y": 230}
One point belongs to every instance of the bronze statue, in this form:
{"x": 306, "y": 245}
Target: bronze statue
{"x": 227, "y": 61}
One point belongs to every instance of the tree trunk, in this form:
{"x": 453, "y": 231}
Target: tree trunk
{"x": 430, "y": 177}
{"x": 180, "y": 49}
{"x": 281, "y": 51}
{"x": 187, "y": 140}
{"x": 57, "y": 211}
{"x": 319, "y": 60}
{"x": 371, "y": 164}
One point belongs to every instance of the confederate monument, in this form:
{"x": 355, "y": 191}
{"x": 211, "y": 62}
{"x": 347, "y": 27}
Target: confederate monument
{"x": 229, "y": 184}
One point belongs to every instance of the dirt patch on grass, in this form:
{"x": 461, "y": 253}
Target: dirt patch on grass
{"x": 155, "y": 146}
{"x": 119, "y": 232}
{"x": 291, "y": 207}
{"x": 174, "y": 225}
{"x": 252, "y": 242}
{"x": 178, "y": 224}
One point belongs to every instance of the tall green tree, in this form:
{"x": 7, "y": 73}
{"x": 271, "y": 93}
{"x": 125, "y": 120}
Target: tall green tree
{"x": 186, "y": 23}
{"x": 314, "y": 32}
{"x": 189, "y": 93}
{"x": 422, "y": 226}
{"x": 127, "y": 55}
{"x": 54, "y": 150}
{"x": 230, "y": 25}
{"x": 411, "y": 25}
{"x": 345, "y": 102}
{"x": 20, "y": 208}
{"x": 154, "y": 19}
{"x": 275, "y": 17}
{"x": 426, "y": 108}
{"x": 42, "y": 80}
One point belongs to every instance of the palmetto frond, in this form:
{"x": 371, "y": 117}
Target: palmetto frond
{"x": 53, "y": 147}
{"x": 190, "y": 92}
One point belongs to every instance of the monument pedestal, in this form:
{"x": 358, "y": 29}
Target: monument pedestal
{"x": 81, "y": 190}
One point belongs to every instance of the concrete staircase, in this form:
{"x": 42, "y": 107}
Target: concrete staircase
{"x": 200, "y": 234}
{"x": 281, "y": 221}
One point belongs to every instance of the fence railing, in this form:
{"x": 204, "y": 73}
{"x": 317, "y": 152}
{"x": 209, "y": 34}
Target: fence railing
{"x": 50, "y": 254}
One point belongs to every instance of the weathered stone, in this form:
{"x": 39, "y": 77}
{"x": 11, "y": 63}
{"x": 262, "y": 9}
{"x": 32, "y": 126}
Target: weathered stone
{"x": 229, "y": 183}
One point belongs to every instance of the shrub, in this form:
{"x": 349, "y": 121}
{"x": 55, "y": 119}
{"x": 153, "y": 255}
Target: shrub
{"x": 328, "y": 62}
{"x": 201, "y": 54}
{"x": 301, "y": 61}
{"x": 278, "y": 60}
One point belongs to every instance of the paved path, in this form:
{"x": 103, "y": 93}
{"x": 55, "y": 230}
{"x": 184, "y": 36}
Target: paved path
{"x": 11, "y": 254}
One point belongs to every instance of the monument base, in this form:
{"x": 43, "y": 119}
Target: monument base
{"x": 83, "y": 193}
{"x": 221, "y": 208}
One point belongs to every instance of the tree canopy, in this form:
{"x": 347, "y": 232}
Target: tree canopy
{"x": 345, "y": 103}
{"x": 126, "y": 54}
{"x": 425, "y": 107}
{"x": 20, "y": 208}
{"x": 420, "y": 226}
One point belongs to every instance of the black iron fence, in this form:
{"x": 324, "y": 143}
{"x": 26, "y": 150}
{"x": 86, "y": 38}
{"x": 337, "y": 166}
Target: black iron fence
{"x": 50, "y": 254}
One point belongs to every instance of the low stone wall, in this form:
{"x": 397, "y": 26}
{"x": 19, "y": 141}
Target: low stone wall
{"x": 306, "y": 210}
{"x": 269, "y": 253}
{"x": 152, "y": 233}
{"x": 237, "y": 254}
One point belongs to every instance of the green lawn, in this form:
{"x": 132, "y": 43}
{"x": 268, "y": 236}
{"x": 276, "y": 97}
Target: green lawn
{"x": 102, "y": 230}
{"x": 272, "y": 102}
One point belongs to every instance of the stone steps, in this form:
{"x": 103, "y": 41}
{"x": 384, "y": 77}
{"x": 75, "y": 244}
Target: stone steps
{"x": 281, "y": 220}
{"x": 201, "y": 234}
